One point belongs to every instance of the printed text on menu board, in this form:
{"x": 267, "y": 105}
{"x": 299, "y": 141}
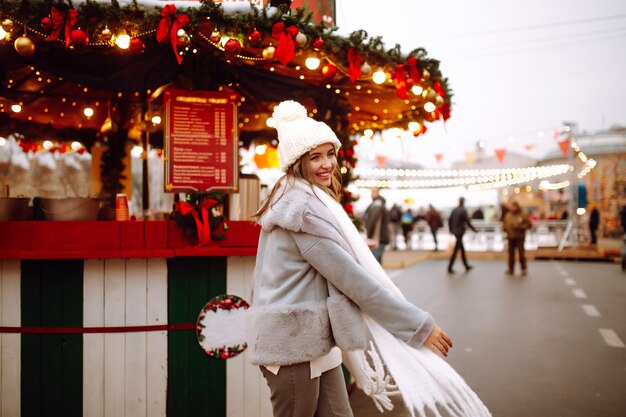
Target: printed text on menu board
{"x": 200, "y": 141}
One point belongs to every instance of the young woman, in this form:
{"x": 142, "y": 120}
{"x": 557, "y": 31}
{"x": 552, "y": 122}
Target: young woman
{"x": 314, "y": 289}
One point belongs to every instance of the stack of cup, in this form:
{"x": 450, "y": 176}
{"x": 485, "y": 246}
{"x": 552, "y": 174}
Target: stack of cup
{"x": 121, "y": 207}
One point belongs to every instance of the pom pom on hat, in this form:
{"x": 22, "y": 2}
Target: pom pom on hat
{"x": 298, "y": 133}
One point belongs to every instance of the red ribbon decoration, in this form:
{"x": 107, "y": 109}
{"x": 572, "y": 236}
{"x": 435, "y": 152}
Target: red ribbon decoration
{"x": 400, "y": 80}
{"x": 169, "y": 25}
{"x": 439, "y": 89}
{"x": 414, "y": 73}
{"x": 285, "y": 48}
{"x": 203, "y": 226}
{"x": 62, "y": 20}
{"x": 354, "y": 65}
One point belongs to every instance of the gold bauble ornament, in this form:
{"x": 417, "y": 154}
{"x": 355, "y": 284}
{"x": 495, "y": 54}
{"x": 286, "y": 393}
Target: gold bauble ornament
{"x": 425, "y": 74}
{"x": 7, "y": 25}
{"x": 431, "y": 95}
{"x": 24, "y": 46}
{"x": 268, "y": 53}
{"x": 183, "y": 39}
{"x": 106, "y": 34}
{"x": 108, "y": 126}
{"x": 366, "y": 68}
{"x": 439, "y": 101}
{"x": 215, "y": 36}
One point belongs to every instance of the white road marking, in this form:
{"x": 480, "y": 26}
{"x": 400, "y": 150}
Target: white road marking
{"x": 579, "y": 293}
{"x": 591, "y": 310}
{"x": 611, "y": 338}
{"x": 570, "y": 281}
{"x": 564, "y": 273}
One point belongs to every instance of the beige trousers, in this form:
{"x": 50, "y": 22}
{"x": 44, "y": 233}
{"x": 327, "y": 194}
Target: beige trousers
{"x": 295, "y": 394}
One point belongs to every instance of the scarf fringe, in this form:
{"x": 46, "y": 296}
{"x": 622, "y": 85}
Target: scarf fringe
{"x": 426, "y": 382}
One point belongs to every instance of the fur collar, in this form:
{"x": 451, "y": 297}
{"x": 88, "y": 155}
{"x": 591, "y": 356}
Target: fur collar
{"x": 288, "y": 207}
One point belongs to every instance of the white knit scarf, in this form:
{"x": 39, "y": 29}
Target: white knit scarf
{"x": 423, "y": 379}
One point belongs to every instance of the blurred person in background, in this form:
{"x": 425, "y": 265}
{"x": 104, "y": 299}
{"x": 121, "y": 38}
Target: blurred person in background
{"x": 433, "y": 218}
{"x": 407, "y": 221}
{"x": 457, "y": 222}
{"x": 376, "y": 220}
{"x": 594, "y": 223}
{"x": 395, "y": 213}
{"x": 516, "y": 222}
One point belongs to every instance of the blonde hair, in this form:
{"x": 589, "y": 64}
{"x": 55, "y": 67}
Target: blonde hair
{"x": 301, "y": 170}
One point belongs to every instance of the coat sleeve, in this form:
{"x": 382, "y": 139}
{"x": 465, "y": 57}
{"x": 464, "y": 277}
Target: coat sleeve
{"x": 401, "y": 318}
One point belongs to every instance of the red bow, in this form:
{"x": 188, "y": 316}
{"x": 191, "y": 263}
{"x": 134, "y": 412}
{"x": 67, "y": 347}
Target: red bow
{"x": 203, "y": 226}
{"x": 354, "y": 64}
{"x": 169, "y": 25}
{"x": 439, "y": 89}
{"x": 400, "y": 81}
{"x": 285, "y": 48}
{"x": 62, "y": 20}
{"x": 414, "y": 73}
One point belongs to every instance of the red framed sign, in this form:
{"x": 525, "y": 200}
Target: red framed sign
{"x": 201, "y": 141}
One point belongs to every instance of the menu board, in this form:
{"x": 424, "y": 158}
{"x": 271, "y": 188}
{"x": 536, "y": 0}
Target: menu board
{"x": 201, "y": 143}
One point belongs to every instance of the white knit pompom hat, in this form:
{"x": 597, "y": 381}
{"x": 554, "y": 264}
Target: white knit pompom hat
{"x": 298, "y": 133}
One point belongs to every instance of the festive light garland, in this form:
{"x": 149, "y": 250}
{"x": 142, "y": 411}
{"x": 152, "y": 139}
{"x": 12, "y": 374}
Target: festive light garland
{"x": 540, "y": 171}
{"x": 473, "y": 179}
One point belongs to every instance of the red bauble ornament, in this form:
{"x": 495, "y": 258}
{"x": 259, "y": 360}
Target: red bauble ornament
{"x": 137, "y": 46}
{"x": 232, "y": 47}
{"x": 329, "y": 71}
{"x": 255, "y": 37}
{"x": 46, "y": 23}
{"x": 318, "y": 44}
{"x": 79, "y": 38}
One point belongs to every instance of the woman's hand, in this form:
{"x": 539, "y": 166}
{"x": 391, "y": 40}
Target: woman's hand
{"x": 438, "y": 341}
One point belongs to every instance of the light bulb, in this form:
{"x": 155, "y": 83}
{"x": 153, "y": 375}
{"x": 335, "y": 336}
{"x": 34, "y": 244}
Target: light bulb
{"x": 260, "y": 149}
{"x": 312, "y": 63}
{"x": 417, "y": 89}
{"x": 379, "y": 76}
{"x": 76, "y": 146}
{"x": 156, "y": 120}
{"x": 47, "y": 144}
{"x": 136, "y": 151}
{"x": 414, "y": 126}
{"x": 270, "y": 122}
{"x": 3, "y": 33}
{"x": 3, "y": 141}
{"x": 16, "y": 108}
{"x": 88, "y": 111}
{"x": 429, "y": 107}
{"x": 123, "y": 41}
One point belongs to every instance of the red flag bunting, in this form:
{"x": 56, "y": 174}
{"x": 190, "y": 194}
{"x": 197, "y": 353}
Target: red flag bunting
{"x": 564, "y": 146}
{"x": 500, "y": 153}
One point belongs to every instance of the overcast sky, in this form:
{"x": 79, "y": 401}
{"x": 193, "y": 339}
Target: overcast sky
{"x": 516, "y": 68}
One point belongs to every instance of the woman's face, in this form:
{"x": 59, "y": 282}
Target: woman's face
{"x": 322, "y": 163}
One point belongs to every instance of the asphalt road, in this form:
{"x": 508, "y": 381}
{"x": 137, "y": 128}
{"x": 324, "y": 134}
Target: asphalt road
{"x": 549, "y": 344}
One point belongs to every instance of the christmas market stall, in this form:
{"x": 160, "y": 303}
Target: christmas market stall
{"x": 134, "y": 139}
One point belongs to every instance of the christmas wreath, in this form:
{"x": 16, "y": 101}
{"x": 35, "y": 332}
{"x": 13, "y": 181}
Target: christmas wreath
{"x": 202, "y": 214}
